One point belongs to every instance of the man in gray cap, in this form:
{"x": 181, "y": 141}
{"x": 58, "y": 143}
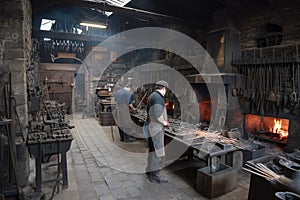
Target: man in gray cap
{"x": 157, "y": 118}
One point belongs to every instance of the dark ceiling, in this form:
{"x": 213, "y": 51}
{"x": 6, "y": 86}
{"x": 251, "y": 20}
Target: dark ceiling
{"x": 188, "y": 9}
{"x": 192, "y": 11}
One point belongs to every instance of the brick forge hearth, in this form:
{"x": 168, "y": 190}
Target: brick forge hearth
{"x": 238, "y": 110}
{"x": 268, "y": 87}
{"x": 257, "y": 71}
{"x": 281, "y": 130}
{"x": 229, "y": 116}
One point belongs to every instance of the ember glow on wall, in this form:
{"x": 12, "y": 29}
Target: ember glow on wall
{"x": 269, "y": 128}
{"x": 205, "y": 111}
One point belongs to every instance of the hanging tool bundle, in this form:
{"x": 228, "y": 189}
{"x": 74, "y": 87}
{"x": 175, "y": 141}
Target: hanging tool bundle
{"x": 271, "y": 79}
{"x": 70, "y": 46}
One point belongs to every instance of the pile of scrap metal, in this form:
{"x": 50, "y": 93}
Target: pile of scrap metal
{"x": 49, "y": 124}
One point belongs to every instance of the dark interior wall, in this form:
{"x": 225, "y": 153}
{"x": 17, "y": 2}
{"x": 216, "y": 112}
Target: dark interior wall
{"x": 58, "y": 81}
{"x": 223, "y": 40}
{"x": 251, "y": 25}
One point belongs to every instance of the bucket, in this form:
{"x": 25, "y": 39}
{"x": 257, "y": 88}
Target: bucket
{"x": 286, "y": 196}
{"x": 214, "y": 182}
{"x": 106, "y": 119}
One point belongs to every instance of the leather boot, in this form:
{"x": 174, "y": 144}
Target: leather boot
{"x": 121, "y": 133}
{"x": 156, "y": 178}
{"x": 128, "y": 138}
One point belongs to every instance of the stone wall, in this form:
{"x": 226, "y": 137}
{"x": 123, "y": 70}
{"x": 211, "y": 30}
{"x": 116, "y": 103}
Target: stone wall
{"x": 15, "y": 48}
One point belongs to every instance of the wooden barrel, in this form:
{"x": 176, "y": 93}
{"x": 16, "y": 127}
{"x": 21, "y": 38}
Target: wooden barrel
{"x": 106, "y": 118}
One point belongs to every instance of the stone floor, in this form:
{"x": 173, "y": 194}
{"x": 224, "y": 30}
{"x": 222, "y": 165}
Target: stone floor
{"x": 102, "y": 168}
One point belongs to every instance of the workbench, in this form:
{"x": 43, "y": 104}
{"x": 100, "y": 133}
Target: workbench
{"x": 44, "y": 146}
{"x": 223, "y": 156}
{"x": 211, "y": 147}
{"x": 205, "y": 145}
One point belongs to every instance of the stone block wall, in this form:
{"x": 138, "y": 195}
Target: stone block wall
{"x": 15, "y": 48}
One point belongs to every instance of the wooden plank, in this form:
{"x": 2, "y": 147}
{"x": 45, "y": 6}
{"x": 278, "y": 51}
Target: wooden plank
{"x": 99, "y": 48}
{"x": 59, "y": 67}
{"x": 66, "y": 55}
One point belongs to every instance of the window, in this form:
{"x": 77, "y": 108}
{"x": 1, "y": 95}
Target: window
{"x": 120, "y": 3}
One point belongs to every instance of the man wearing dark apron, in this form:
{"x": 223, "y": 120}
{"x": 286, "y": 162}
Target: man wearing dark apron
{"x": 124, "y": 99}
{"x": 157, "y": 118}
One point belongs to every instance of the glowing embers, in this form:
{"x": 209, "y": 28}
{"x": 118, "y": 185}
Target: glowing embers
{"x": 268, "y": 128}
{"x": 205, "y": 111}
{"x": 170, "y": 106}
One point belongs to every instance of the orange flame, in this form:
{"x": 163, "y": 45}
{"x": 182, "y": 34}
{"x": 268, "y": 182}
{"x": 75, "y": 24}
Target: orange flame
{"x": 277, "y": 129}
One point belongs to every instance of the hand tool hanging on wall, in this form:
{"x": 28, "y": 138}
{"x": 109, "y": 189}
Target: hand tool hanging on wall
{"x": 293, "y": 94}
{"x": 271, "y": 96}
{"x": 298, "y": 83}
{"x": 278, "y": 83}
{"x": 273, "y": 80}
{"x": 68, "y": 46}
{"x": 245, "y": 82}
{"x": 267, "y": 77}
{"x": 242, "y": 80}
{"x": 261, "y": 99}
{"x": 75, "y": 46}
{"x": 285, "y": 98}
{"x": 234, "y": 91}
{"x": 298, "y": 73}
{"x": 263, "y": 91}
{"x": 253, "y": 90}
{"x": 248, "y": 84}
{"x": 258, "y": 90}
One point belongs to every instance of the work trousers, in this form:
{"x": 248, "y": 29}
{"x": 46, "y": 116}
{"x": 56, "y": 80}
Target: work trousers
{"x": 123, "y": 134}
{"x": 155, "y": 163}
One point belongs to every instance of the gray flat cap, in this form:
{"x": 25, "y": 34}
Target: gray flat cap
{"x": 162, "y": 83}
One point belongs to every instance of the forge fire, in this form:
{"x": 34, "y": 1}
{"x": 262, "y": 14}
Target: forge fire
{"x": 277, "y": 128}
{"x": 267, "y": 127}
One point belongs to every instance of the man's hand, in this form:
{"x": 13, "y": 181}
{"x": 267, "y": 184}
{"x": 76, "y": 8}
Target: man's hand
{"x": 133, "y": 111}
{"x": 167, "y": 124}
